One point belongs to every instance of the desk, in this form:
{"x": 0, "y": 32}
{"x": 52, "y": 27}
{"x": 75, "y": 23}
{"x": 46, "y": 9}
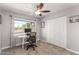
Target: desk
{"x": 23, "y": 36}
{"x": 23, "y": 40}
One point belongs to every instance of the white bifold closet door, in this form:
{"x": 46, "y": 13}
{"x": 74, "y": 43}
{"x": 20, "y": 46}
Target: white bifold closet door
{"x": 56, "y": 31}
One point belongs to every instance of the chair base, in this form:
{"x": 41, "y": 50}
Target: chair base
{"x": 31, "y": 46}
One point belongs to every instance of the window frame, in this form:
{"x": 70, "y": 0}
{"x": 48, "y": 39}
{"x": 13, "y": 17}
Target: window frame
{"x": 21, "y": 19}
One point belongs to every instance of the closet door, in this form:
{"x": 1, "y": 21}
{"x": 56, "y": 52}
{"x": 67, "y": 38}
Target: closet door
{"x": 56, "y": 31}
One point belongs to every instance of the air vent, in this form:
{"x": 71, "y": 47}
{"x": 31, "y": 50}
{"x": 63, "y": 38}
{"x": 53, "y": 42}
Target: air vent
{"x": 74, "y": 19}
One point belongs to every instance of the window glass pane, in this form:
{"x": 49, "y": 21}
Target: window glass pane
{"x": 19, "y": 26}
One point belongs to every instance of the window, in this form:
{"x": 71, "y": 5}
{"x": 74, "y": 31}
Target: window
{"x": 19, "y": 26}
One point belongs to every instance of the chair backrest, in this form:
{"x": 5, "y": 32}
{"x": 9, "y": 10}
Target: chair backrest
{"x": 33, "y": 37}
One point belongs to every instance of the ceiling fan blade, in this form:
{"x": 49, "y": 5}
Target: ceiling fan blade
{"x": 45, "y": 11}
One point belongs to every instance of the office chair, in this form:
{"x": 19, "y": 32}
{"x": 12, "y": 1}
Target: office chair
{"x": 32, "y": 41}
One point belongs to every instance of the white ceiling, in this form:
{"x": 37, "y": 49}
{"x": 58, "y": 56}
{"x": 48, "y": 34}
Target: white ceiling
{"x": 29, "y": 8}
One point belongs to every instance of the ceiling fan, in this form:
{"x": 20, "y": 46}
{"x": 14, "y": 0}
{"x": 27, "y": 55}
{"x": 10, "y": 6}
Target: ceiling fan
{"x": 39, "y": 10}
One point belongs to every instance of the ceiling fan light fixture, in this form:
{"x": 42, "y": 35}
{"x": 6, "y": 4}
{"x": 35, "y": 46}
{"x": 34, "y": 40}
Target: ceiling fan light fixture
{"x": 37, "y": 12}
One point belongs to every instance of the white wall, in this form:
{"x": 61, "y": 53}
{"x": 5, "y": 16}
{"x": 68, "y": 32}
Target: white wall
{"x": 5, "y": 27}
{"x": 0, "y": 38}
{"x": 73, "y": 36}
{"x": 38, "y": 28}
{"x": 45, "y": 32}
{"x": 72, "y": 29}
{"x": 56, "y": 31}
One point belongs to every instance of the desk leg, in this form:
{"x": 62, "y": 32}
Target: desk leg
{"x": 23, "y": 43}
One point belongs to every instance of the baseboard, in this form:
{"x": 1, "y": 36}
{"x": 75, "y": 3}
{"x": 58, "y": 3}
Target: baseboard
{"x": 76, "y": 52}
{"x": 73, "y": 51}
{"x": 16, "y": 45}
{"x": 38, "y": 39}
{"x": 5, "y": 47}
{"x": 0, "y": 51}
{"x": 44, "y": 41}
{"x": 9, "y": 46}
{"x": 19, "y": 44}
